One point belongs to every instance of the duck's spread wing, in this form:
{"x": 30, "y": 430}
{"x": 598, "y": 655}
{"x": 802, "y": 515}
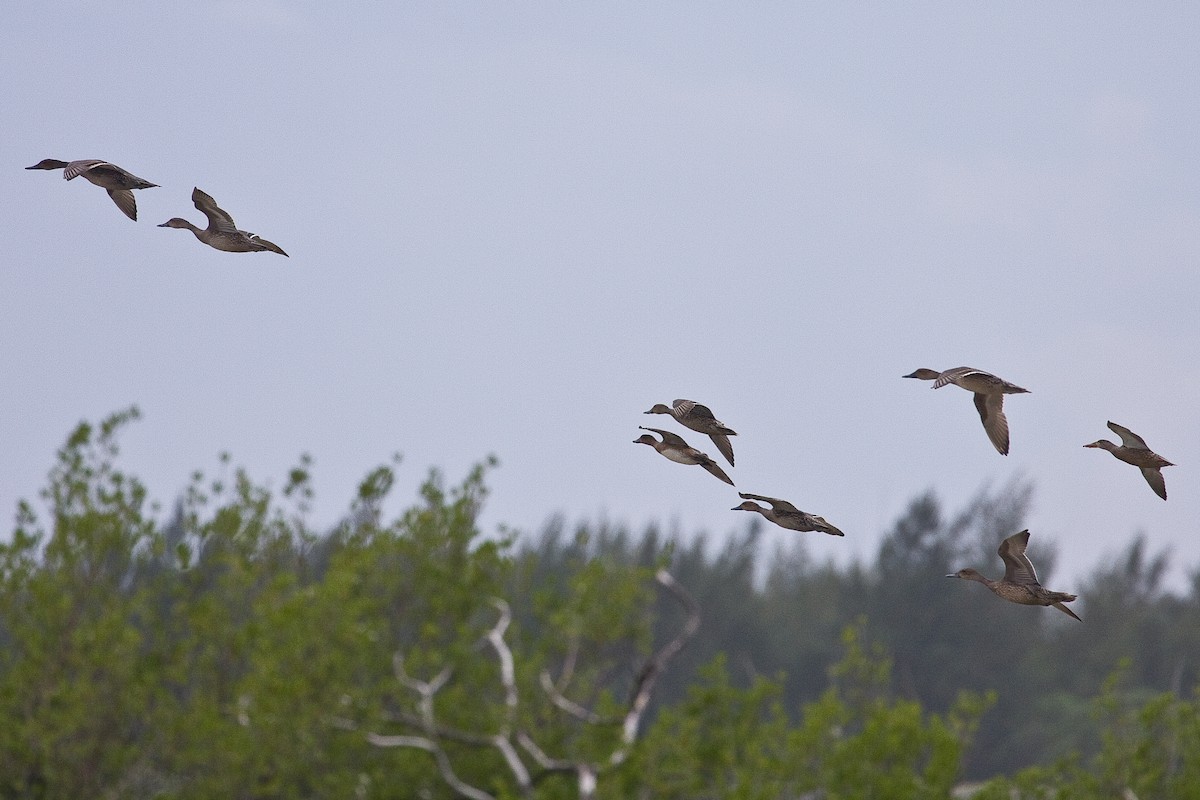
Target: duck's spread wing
{"x": 951, "y": 376}
{"x": 1128, "y": 437}
{"x": 991, "y": 413}
{"x": 776, "y": 503}
{"x": 1017, "y": 566}
{"x": 715, "y": 469}
{"x": 690, "y": 408}
{"x": 77, "y": 168}
{"x": 218, "y": 218}
{"x": 723, "y": 446}
{"x": 671, "y": 439}
{"x": 1154, "y": 477}
{"x": 124, "y": 200}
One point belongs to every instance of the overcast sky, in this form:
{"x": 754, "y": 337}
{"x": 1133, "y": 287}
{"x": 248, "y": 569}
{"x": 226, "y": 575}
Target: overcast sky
{"x": 513, "y": 229}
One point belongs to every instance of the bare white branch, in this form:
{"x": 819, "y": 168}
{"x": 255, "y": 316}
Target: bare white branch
{"x": 648, "y": 678}
{"x": 585, "y": 773}
{"x": 508, "y": 676}
{"x": 428, "y": 745}
{"x": 515, "y": 764}
{"x": 566, "y": 704}
{"x": 420, "y": 687}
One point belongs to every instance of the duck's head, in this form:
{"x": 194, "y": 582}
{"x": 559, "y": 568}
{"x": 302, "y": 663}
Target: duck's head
{"x": 49, "y": 163}
{"x": 659, "y": 408}
{"x": 1102, "y": 444}
{"x": 176, "y": 222}
{"x": 646, "y": 438}
{"x": 966, "y": 574}
{"x": 923, "y": 374}
{"x": 747, "y": 506}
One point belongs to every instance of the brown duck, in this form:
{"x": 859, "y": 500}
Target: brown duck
{"x": 1133, "y": 450}
{"x": 786, "y": 515}
{"x": 1020, "y": 583}
{"x": 108, "y": 176}
{"x": 675, "y": 448}
{"x": 989, "y": 394}
{"x": 222, "y": 233}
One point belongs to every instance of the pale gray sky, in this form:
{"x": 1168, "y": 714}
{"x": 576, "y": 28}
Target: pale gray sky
{"x": 512, "y": 230}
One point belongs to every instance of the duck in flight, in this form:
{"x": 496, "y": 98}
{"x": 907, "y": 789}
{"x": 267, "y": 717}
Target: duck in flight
{"x": 221, "y": 232}
{"x": 118, "y": 182}
{"x": 1020, "y": 582}
{"x": 675, "y": 448}
{"x": 786, "y": 515}
{"x": 1133, "y": 450}
{"x": 989, "y": 394}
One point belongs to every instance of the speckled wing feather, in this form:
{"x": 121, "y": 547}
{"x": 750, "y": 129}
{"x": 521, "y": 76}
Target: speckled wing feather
{"x": 1017, "y": 566}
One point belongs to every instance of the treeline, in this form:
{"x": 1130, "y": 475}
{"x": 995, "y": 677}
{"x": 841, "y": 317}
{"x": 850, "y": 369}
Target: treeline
{"x": 232, "y": 651}
{"x": 772, "y": 610}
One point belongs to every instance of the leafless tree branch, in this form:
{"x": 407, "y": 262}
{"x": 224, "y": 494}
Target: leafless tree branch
{"x": 428, "y": 745}
{"x": 568, "y": 705}
{"x": 586, "y": 773}
{"x": 648, "y": 678}
{"x": 440, "y": 730}
{"x": 508, "y": 676}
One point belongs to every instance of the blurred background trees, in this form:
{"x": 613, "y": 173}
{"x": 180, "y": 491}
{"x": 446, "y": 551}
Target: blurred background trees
{"x": 226, "y": 649}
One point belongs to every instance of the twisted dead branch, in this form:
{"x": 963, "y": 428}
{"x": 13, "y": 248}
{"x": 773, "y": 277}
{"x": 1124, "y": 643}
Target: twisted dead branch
{"x": 586, "y": 773}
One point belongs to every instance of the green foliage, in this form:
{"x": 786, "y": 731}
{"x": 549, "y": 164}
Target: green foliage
{"x": 1150, "y": 748}
{"x": 855, "y": 741}
{"x": 231, "y": 651}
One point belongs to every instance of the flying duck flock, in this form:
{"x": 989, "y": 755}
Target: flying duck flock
{"x": 1020, "y": 582}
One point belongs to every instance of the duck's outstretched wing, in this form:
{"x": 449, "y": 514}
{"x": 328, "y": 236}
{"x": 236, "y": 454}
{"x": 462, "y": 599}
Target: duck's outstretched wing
{"x": 991, "y": 413}
{"x": 715, "y": 469}
{"x": 955, "y": 374}
{"x": 776, "y": 503}
{"x": 77, "y": 168}
{"x": 1154, "y": 477}
{"x": 723, "y": 445}
{"x": 124, "y": 200}
{"x": 1017, "y": 566}
{"x": 670, "y": 439}
{"x": 218, "y": 219}
{"x": 1128, "y": 437}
